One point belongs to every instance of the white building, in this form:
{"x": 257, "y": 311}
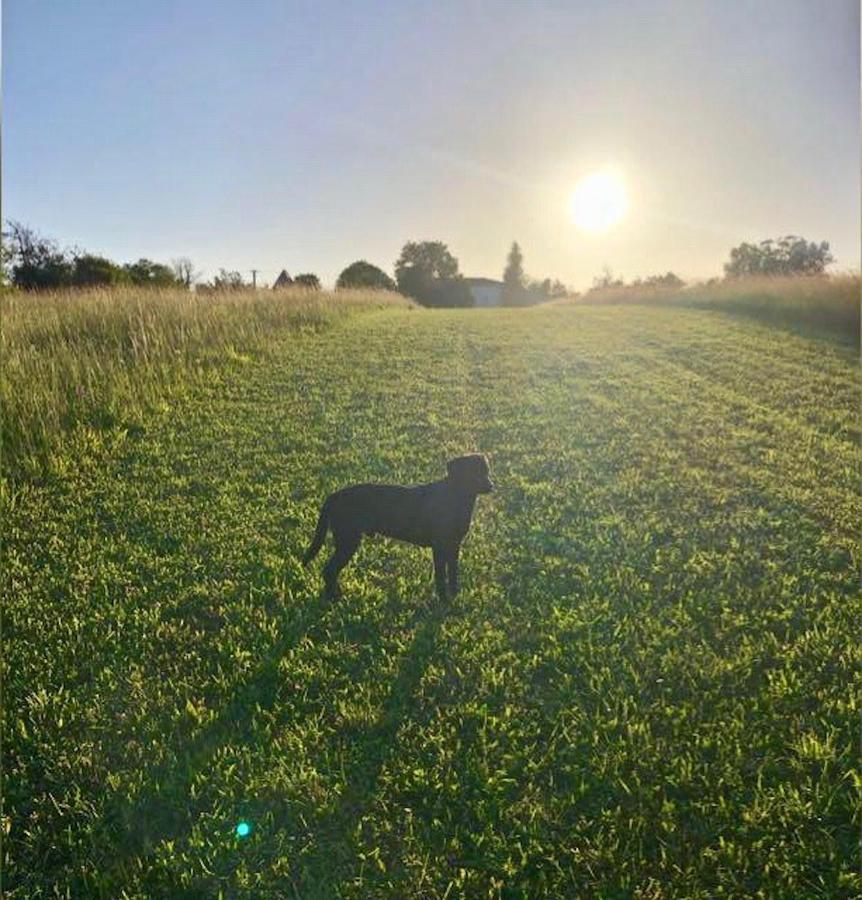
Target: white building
{"x": 485, "y": 291}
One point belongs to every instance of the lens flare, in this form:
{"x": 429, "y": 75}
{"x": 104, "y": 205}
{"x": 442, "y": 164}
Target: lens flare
{"x": 243, "y": 829}
{"x": 599, "y": 201}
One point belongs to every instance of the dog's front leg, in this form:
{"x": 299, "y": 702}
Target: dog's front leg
{"x": 440, "y": 571}
{"x": 452, "y": 569}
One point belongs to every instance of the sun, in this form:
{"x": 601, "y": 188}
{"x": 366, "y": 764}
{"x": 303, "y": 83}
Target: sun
{"x": 599, "y": 201}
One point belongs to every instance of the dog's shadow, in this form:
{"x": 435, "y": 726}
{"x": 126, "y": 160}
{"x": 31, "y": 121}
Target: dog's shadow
{"x": 165, "y": 809}
{"x": 371, "y": 748}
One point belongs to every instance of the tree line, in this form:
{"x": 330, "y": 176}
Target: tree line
{"x": 427, "y": 271}
{"x": 31, "y": 261}
{"x": 786, "y": 256}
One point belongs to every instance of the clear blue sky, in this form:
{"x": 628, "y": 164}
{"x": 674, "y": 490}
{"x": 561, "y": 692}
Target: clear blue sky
{"x": 308, "y": 134}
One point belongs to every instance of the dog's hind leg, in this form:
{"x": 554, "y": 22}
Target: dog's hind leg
{"x": 346, "y": 544}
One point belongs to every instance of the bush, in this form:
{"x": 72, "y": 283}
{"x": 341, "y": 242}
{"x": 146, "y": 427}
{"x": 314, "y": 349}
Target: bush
{"x": 547, "y": 289}
{"x": 362, "y": 274}
{"x": 434, "y": 292}
{"x": 145, "y": 273}
{"x": 307, "y": 280}
{"x": 97, "y": 271}
{"x": 669, "y": 281}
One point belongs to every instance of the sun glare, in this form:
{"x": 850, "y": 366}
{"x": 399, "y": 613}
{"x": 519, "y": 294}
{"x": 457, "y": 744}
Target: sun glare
{"x": 599, "y": 201}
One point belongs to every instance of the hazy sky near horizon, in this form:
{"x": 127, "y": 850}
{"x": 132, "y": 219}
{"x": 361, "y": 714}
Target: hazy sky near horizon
{"x": 306, "y": 135}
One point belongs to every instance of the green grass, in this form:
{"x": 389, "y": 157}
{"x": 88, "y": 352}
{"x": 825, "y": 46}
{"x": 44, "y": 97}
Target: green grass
{"x": 96, "y": 362}
{"x": 649, "y": 686}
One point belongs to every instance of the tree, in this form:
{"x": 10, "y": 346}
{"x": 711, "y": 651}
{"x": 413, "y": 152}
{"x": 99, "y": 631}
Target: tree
{"x": 547, "y": 289}
{"x": 89, "y": 270}
{"x": 5, "y": 262}
{"x": 228, "y": 281}
{"x": 184, "y": 271}
{"x": 308, "y": 280}
{"x": 145, "y": 273}
{"x": 789, "y": 255}
{"x": 428, "y": 272}
{"x": 417, "y": 283}
{"x": 362, "y": 274}
{"x": 36, "y": 262}
{"x": 606, "y": 280}
{"x": 514, "y": 280}
{"x": 431, "y": 257}
{"x": 430, "y": 291}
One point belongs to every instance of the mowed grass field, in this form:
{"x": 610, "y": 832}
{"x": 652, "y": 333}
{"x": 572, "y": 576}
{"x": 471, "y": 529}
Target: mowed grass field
{"x": 648, "y": 687}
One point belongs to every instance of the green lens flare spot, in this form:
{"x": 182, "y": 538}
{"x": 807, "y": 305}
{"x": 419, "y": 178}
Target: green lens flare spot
{"x": 243, "y": 829}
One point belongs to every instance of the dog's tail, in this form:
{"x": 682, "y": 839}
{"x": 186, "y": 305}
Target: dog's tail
{"x": 319, "y": 534}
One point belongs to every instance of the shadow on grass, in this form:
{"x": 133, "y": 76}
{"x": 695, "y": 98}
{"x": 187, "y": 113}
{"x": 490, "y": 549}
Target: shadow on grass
{"x": 833, "y": 326}
{"x": 165, "y": 810}
{"x": 336, "y": 854}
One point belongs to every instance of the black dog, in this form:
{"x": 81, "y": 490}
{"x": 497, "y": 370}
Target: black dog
{"x": 435, "y": 515}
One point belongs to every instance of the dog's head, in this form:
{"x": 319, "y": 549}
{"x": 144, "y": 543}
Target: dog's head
{"x": 471, "y": 473}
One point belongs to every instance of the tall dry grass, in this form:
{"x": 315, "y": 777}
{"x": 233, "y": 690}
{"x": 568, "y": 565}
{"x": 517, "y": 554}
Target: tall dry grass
{"x": 830, "y": 304}
{"x": 96, "y": 360}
